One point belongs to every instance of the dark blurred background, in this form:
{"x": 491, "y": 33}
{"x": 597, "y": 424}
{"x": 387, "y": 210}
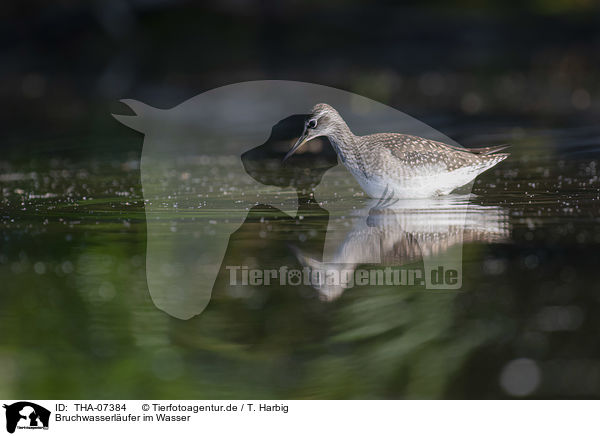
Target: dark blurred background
{"x": 496, "y": 65}
{"x": 75, "y": 313}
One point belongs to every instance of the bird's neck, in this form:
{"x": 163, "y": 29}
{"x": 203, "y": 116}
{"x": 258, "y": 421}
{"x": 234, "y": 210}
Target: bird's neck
{"x": 343, "y": 140}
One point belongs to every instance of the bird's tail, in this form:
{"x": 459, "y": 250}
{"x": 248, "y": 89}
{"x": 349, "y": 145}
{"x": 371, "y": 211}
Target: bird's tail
{"x": 490, "y": 150}
{"x": 483, "y": 150}
{"x": 492, "y": 159}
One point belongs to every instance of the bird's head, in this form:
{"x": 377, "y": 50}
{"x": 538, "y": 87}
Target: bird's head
{"x": 321, "y": 122}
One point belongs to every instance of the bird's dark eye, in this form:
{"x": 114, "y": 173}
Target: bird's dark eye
{"x": 312, "y": 124}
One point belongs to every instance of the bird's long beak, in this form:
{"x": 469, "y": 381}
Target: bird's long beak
{"x": 301, "y": 140}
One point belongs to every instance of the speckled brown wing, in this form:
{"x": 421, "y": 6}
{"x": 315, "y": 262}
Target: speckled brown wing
{"x": 414, "y": 151}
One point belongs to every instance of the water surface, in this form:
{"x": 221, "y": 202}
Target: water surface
{"x": 78, "y": 321}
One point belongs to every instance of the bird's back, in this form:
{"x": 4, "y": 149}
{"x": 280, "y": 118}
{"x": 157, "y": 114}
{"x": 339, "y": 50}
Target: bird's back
{"x": 422, "y": 157}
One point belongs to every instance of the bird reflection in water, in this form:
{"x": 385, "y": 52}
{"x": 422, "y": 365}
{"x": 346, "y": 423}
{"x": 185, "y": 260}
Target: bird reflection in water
{"x": 398, "y": 232}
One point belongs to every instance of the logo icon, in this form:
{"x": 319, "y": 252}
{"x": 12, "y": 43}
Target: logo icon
{"x": 26, "y": 415}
